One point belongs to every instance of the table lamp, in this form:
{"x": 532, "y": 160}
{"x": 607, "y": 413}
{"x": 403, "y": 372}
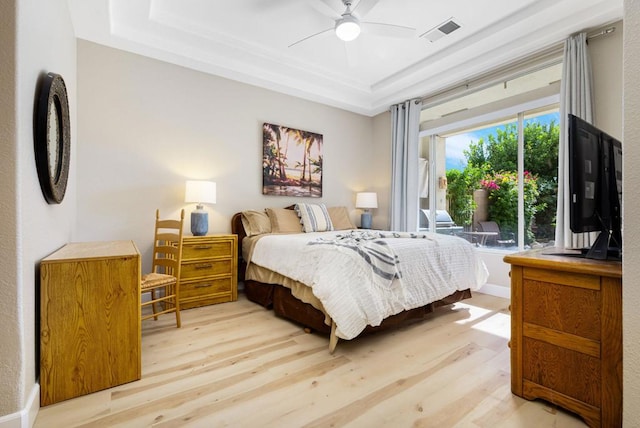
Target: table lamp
{"x": 200, "y": 192}
{"x": 366, "y": 201}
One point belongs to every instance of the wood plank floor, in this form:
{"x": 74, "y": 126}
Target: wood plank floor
{"x": 237, "y": 365}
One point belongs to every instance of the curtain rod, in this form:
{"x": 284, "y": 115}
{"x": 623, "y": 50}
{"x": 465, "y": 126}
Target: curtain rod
{"x": 542, "y": 59}
{"x": 604, "y": 32}
{"x": 545, "y": 58}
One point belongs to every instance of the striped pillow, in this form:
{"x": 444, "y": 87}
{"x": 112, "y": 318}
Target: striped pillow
{"x": 314, "y": 217}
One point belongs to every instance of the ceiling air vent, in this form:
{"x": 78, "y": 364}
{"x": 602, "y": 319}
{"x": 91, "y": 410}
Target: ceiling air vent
{"x": 446, "y": 28}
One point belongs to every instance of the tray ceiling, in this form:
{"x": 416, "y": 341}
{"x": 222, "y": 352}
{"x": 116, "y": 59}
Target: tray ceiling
{"x": 249, "y": 41}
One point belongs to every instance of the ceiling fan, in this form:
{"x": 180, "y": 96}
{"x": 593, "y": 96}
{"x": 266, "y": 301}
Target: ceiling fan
{"x": 348, "y": 25}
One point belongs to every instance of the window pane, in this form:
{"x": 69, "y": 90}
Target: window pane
{"x": 482, "y": 176}
{"x": 483, "y": 191}
{"x": 541, "y": 136}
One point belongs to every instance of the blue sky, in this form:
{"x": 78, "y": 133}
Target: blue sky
{"x": 456, "y": 144}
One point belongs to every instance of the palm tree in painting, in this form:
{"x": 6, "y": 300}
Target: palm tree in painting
{"x": 269, "y": 153}
{"x": 274, "y": 160}
{"x": 276, "y": 143}
{"x": 300, "y": 137}
{"x": 307, "y": 140}
{"x": 311, "y": 140}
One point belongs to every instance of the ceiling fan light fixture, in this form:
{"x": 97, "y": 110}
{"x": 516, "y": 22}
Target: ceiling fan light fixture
{"x": 347, "y": 28}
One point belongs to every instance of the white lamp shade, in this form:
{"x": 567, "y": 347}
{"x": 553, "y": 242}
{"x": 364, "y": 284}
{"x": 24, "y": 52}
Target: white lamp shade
{"x": 200, "y": 192}
{"x": 367, "y": 200}
{"x": 347, "y": 28}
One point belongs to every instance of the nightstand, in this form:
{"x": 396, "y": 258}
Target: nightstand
{"x": 209, "y": 269}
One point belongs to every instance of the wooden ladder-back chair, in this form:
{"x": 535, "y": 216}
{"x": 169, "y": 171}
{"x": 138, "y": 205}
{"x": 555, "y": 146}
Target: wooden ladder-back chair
{"x": 163, "y": 283}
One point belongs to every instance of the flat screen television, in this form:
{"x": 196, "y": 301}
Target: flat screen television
{"x": 595, "y": 186}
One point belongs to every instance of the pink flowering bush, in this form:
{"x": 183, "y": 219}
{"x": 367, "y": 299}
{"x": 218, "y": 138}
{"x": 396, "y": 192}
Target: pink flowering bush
{"x": 503, "y": 200}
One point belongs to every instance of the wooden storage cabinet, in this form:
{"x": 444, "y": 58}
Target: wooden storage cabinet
{"x": 566, "y": 334}
{"x": 209, "y": 270}
{"x": 89, "y": 319}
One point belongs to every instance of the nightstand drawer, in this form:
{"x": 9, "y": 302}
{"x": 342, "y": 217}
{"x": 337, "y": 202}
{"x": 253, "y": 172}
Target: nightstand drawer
{"x": 207, "y": 248}
{"x": 203, "y": 268}
{"x": 202, "y": 288}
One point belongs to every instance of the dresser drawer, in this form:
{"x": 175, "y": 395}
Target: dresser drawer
{"x": 571, "y": 309}
{"x": 209, "y": 271}
{"x": 572, "y": 373}
{"x": 204, "y": 268}
{"x": 208, "y": 248}
{"x": 191, "y": 289}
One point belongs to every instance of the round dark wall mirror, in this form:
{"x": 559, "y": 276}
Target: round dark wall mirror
{"x": 52, "y": 137}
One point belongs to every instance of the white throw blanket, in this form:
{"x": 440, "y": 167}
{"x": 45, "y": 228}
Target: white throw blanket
{"x": 363, "y": 277}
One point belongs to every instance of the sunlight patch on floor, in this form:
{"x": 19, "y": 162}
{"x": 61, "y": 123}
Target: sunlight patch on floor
{"x": 475, "y": 312}
{"x": 486, "y": 320}
{"x": 498, "y": 324}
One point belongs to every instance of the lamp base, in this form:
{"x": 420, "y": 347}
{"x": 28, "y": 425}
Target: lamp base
{"x": 365, "y": 220}
{"x": 199, "y": 222}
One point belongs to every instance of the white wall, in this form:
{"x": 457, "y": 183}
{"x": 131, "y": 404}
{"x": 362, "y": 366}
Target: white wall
{"x": 41, "y": 40}
{"x": 606, "y": 64}
{"x": 146, "y": 126}
{"x": 631, "y": 208}
{"x": 380, "y": 166}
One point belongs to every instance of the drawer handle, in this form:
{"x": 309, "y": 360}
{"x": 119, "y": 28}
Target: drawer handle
{"x": 204, "y": 266}
{"x": 202, "y": 247}
{"x": 203, "y": 285}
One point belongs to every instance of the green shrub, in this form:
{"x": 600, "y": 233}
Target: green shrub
{"x": 460, "y": 188}
{"x": 503, "y": 201}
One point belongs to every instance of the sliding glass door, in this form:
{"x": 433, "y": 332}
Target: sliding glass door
{"x": 494, "y": 183}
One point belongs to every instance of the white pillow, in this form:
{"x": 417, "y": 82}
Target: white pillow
{"x": 314, "y": 217}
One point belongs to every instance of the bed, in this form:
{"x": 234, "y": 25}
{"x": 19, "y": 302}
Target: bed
{"x": 348, "y": 282}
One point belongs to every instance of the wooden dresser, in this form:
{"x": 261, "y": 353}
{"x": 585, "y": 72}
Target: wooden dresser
{"x": 89, "y": 319}
{"x": 566, "y": 333}
{"x": 209, "y": 270}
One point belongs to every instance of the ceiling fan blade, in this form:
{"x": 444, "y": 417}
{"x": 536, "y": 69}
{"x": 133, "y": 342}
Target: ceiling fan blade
{"x": 313, "y": 35}
{"x": 388, "y": 30}
{"x": 364, "y": 6}
{"x": 325, "y": 7}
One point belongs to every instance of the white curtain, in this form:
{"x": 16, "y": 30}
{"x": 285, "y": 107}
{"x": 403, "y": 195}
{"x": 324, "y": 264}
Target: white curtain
{"x": 575, "y": 98}
{"x": 423, "y": 171}
{"x": 405, "y": 122}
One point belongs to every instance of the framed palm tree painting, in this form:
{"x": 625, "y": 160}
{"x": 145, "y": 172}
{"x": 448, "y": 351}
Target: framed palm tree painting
{"x": 291, "y": 161}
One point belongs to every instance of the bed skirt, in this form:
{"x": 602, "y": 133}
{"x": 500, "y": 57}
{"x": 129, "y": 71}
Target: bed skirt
{"x": 285, "y": 305}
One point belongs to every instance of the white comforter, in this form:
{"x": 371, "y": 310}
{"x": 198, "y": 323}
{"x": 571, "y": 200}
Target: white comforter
{"x": 429, "y": 267}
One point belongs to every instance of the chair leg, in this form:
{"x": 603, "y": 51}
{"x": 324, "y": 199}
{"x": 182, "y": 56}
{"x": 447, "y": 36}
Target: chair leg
{"x": 177, "y": 307}
{"x": 153, "y": 304}
{"x": 178, "y": 323}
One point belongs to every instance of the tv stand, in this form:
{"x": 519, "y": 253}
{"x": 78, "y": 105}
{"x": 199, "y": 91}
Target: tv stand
{"x": 566, "y": 333}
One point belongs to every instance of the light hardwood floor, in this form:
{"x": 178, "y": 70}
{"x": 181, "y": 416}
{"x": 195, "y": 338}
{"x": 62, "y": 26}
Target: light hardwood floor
{"x": 237, "y": 365}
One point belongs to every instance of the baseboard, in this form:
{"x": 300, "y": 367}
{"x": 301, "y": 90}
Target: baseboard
{"x": 495, "y": 290}
{"x": 25, "y": 418}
